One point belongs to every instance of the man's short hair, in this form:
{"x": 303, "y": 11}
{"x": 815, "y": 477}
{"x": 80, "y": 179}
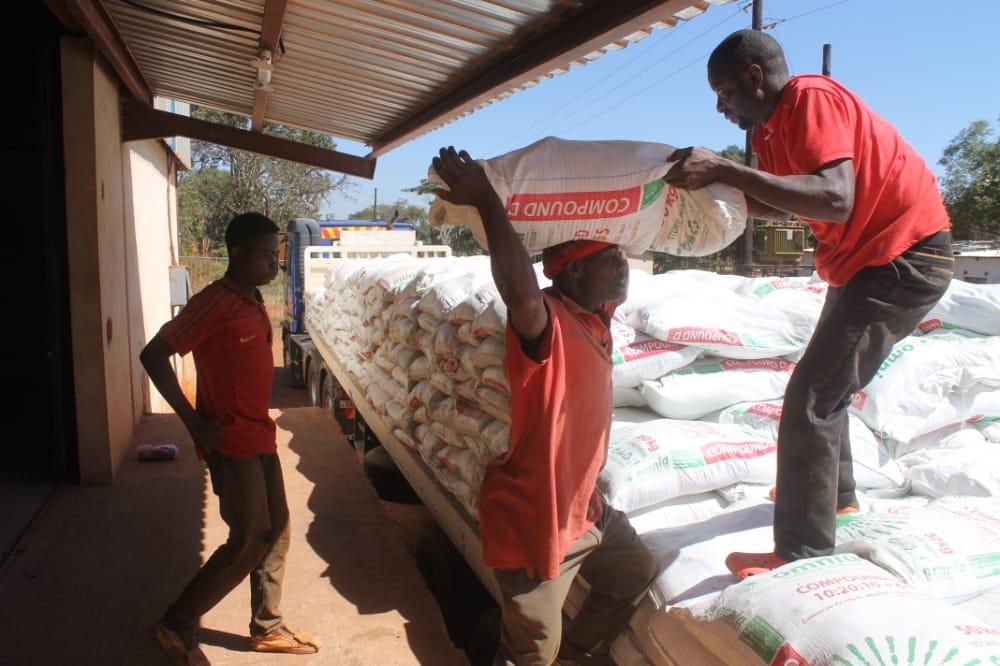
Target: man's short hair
{"x": 748, "y": 47}
{"x": 242, "y": 229}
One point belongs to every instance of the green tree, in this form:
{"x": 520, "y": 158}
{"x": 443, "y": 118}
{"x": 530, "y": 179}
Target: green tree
{"x": 407, "y": 212}
{"x": 224, "y": 182}
{"x": 734, "y": 153}
{"x": 203, "y": 211}
{"x": 971, "y": 184}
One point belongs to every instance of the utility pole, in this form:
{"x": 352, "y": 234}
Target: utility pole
{"x": 826, "y": 59}
{"x": 751, "y": 159}
{"x": 375, "y": 206}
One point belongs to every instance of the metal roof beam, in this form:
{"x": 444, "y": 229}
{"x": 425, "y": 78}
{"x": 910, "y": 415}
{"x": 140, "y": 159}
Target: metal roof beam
{"x": 584, "y": 31}
{"x": 140, "y": 122}
{"x": 270, "y": 41}
{"x": 93, "y": 17}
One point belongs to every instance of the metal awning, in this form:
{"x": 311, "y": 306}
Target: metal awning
{"x": 381, "y": 72}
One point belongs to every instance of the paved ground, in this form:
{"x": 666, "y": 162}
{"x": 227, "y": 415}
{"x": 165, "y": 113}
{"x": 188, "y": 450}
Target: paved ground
{"x": 100, "y": 564}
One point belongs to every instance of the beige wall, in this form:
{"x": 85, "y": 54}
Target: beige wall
{"x": 122, "y": 223}
{"x": 151, "y": 219}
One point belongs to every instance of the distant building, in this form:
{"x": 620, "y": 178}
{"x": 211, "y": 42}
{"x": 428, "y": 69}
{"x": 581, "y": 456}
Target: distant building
{"x": 977, "y": 261}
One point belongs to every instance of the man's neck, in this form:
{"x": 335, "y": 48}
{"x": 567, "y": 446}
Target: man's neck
{"x": 570, "y": 294}
{"x": 244, "y": 287}
{"x": 775, "y": 90}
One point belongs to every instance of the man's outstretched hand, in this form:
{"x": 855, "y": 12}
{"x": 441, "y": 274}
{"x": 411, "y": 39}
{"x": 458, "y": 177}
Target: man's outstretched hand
{"x": 467, "y": 182}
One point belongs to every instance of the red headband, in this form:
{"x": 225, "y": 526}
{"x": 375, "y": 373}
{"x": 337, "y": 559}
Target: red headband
{"x": 556, "y": 258}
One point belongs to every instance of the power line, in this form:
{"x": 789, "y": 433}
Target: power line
{"x": 563, "y": 105}
{"x": 678, "y": 71}
{"x": 768, "y": 26}
{"x": 636, "y": 94}
{"x": 632, "y": 78}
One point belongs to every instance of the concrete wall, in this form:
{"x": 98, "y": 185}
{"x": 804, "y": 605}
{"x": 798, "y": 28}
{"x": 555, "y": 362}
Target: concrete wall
{"x": 122, "y": 224}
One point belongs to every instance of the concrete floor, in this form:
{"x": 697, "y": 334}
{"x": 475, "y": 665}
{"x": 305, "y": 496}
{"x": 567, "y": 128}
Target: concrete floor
{"x": 99, "y": 565}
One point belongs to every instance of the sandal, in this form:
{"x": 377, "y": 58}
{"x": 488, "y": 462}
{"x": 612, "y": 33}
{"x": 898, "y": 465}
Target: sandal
{"x": 286, "y": 641}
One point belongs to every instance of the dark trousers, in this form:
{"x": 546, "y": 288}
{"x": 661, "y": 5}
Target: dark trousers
{"x": 252, "y": 503}
{"x": 618, "y": 567}
{"x": 856, "y": 331}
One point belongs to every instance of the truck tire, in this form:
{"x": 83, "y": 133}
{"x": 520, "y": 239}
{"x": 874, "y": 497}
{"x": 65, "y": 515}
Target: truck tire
{"x": 389, "y": 482}
{"x": 328, "y": 394}
{"x": 315, "y": 397}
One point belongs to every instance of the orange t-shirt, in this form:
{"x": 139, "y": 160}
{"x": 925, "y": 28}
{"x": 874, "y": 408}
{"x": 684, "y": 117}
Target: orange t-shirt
{"x": 896, "y": 199}
{"x": 539, "y": 498}
{"x": 230, "y": 336}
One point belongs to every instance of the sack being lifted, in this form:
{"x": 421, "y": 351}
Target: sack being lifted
{"x": 557, "y": 190}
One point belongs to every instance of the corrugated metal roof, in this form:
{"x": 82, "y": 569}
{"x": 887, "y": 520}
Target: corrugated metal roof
{"x": 367, "y": 70}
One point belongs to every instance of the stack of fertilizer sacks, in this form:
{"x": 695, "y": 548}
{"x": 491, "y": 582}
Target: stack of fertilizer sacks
{"x": 701, "y": 362}
{"x": 705, "y": 358}
{"x": 693, "y": 456}
{"x": 725, "y": 349}
{"x": 425, "y": 338}
{"x": 700, "y": 366}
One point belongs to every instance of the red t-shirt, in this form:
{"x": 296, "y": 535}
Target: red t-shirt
{"x": 896, "y": 199}
{"x": 230, "y": 335}
{"x": 537, "y": 500}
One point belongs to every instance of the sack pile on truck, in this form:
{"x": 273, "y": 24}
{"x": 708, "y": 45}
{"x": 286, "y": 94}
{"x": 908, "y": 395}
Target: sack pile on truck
{"x": 397, "y": 324}
{"x": 655, "y": 461}
{"x": 948, "y": 550}
{"x": 637, "y": 357}
{"x": 966, "y": 306}
{"x": 828, "y": 610}
{"x": 875, "y": 470}
{"x": 425, "y": 340}
{"x": 932, "y": 381}
{"x": 708, "y": 385}
{"x": 557, "y": 190}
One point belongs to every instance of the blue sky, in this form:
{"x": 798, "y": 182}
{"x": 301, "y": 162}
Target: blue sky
{"x": 928, "y": 67}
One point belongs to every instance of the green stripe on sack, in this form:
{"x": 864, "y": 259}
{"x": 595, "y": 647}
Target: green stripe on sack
{"x": 985, "y": 565}
{"x": 686, "y": 459}
{"x": 763, "y": 290}
{"x": 762, "y": 638}
{"x": 651, "y": 191}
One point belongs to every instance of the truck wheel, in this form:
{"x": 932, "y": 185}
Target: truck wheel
{"x": 389, "y": 482}
{"x": 286, "y": 349}
{"x": 329, "y": 396}
{"x": 315, "y": 398}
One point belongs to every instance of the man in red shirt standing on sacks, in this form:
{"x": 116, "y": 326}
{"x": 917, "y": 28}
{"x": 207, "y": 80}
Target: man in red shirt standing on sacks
{"x": 883, "y": 245}
{"x": 540, "y": 519}
{"x": 227, "y": 328}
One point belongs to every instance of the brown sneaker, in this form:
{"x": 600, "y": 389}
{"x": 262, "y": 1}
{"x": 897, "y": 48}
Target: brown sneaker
{"x": 173, "y": 648}
{"x": 286, "y": 641}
